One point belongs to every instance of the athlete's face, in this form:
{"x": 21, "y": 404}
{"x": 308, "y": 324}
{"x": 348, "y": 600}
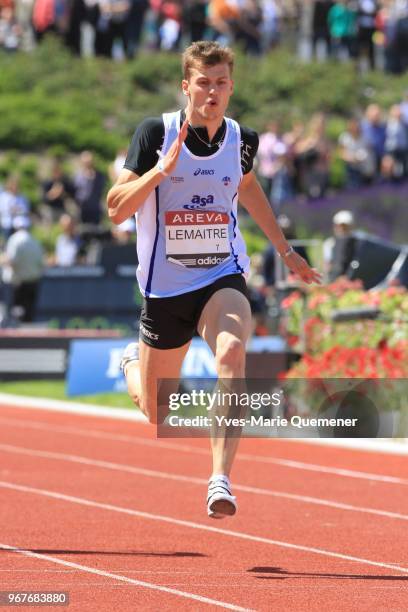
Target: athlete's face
{"x": 209, "y": 89}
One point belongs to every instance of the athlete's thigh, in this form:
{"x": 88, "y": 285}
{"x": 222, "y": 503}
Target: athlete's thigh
{"x": 157, "y": 364}
{"x": 227, "y": 311}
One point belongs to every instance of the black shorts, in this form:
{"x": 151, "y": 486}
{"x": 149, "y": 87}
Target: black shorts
{"x": 167, "y": 323}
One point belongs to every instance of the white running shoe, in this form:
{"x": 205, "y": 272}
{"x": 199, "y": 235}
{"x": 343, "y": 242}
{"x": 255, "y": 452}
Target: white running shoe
{"x": 131, "y": 353}
{"x": 220, "y": 501}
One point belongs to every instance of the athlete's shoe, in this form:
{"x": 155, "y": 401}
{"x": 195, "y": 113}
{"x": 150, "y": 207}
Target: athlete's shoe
{"x": 220, "y": 501}
{"x": 131, "y": 353}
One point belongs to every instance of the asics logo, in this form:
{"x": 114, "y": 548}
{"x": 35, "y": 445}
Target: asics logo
{"x": 148, "y": 333}
{"x": 203, "y": 171}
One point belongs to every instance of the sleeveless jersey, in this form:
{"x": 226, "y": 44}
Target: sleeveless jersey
{"x": 187, "y": 231}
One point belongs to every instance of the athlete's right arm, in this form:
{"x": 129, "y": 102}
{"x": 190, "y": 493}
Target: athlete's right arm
{"x": 130, "y": 190}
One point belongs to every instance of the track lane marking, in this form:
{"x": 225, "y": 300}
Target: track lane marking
{"x": 120, "y": 467}
{"x": 201, "y": 451}
{"x": 120, "y": 578}
{"x": 199, "y": 526}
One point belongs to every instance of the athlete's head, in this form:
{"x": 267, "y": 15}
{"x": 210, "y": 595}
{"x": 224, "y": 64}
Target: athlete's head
{"x": 207, "y": 70}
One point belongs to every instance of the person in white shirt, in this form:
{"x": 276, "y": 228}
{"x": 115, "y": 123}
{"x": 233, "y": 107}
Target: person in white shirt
{"x": 68, "y": 243}
{"x": 12, "y": 204}
{"x": 22, "y": 269}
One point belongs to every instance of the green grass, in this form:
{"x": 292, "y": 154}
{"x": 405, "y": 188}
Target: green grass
{"x": 55, "y": 389}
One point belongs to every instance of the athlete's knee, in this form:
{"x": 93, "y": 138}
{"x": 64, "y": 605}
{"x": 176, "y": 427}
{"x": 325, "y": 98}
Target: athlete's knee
{"x": 230, "y": 352}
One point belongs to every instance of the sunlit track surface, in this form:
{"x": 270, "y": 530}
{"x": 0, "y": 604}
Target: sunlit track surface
{"x": 101, "y": 509}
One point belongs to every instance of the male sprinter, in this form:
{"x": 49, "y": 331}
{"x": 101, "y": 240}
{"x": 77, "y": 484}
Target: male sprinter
{"x": 183, "y": 177}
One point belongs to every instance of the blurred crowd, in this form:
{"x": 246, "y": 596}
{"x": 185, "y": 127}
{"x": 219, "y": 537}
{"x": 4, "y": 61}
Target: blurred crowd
{"x": 295, "y": 164}
{"x": 352, "y": 29}
{"x": 93, "y": 26}
{"x": 372, "y": 150}
{"x": 348, "y": 29}
{"x": 72, "y": 209}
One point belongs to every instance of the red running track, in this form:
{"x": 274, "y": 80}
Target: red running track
{"x": 101, "y": 509}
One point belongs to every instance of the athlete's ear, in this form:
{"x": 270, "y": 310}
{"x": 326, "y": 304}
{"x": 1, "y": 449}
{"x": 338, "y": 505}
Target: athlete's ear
{"x": 184, "y": 86}
{"x": 232, "y": 87}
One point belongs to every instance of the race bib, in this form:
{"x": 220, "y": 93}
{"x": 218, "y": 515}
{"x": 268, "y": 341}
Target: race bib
{"x": 197, "y": 239}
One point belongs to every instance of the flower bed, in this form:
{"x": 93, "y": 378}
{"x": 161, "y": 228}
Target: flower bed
{"x": 359, "y": 362}
{"x": 313, "y": 312}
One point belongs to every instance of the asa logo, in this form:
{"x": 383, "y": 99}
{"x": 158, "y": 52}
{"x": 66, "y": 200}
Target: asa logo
{"x": 198, "y": 201}
{"x": 226, "y": 180}
{"x": 204, "y": 172}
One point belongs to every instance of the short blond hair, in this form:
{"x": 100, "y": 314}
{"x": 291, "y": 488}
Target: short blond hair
{"x": 207, "y": 53}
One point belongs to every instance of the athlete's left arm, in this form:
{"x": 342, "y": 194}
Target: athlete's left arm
{"x": 253, "y": 199}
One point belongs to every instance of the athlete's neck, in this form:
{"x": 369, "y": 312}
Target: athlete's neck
{"x": 196, "y": 121}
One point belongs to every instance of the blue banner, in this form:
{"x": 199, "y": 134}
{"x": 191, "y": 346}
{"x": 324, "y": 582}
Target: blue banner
{"x": 94, "y": 365}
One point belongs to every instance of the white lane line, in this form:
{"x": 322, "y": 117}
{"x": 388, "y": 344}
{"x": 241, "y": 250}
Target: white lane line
{"x": 371, "y": 445}
{"x": 53, "y": 405}
{"x": 120, "y": 578}
{"x": 300, "y": 465}
{"x": 390, "y": 446}
{"x": 130, "y": 571}
{"x": 328, "y": 470}
{"x": 121, "y": 467}
{"x": 200, "y": 526}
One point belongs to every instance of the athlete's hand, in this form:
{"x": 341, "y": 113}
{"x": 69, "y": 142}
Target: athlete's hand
{"x": 172, "y": 155}
{"x": 301, "y": 268}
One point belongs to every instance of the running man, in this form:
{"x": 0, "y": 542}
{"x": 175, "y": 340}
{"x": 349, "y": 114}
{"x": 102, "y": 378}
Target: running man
{"x": 183, "y": 177}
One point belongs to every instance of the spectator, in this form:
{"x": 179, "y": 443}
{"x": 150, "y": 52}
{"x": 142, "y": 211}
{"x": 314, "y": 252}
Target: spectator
{"x": 68, "y": 244}
{"x": 124, "y": 232}
{"x": 320, "y": 25}
{"x": 266, "y": 155}
{"x": 271, "y": 24}
{"x": 56, "y": 192}
{"x": 373, "y": 132}
{"x": 257, "y": 292}
{"x": 167, "y": 27}
{"x": 23, "y": 13}
{"x": 120, "y": 250}
{"x": 274, "y": 166}
{"x": 224, "y": 16}
{"x": 342, "y": 25}
{"x": 401, "y": 35}
{"x": 12, "y": 204}
{"x": 134, "y": 26}
{"x": 195, "y": 19}
{"x": 312, "y": 155}
{"x": 396, "y": 141}
{"x": 366, "y": 25}
{"x": 269, "y": 256}
{"x": 339, "y": 249}
{"x": 116, "y": 166}
{"x": 49, "y": 16}
{"x": 389, "y": 171}
{"x": 22, "y": 271}
{"x": 248, "y": 32}
{"x": 78, "y": 12}
{"x": 111, "y": 25}
{"x": 89, "y": 184}
{"x": 10, "y": 30}
{"x": 404, "y": 109}
{"x": 357, "y": 155}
